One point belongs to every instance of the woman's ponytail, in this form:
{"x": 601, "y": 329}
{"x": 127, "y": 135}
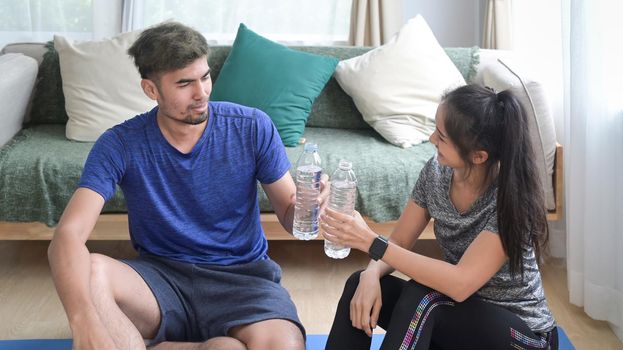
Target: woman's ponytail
{"x": 522, "y": 218}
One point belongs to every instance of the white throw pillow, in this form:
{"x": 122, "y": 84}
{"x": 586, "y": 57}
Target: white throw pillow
{"x": 398, "y": 86}
{"x": 101, "y": 85}
{"x": 506, "y": 75}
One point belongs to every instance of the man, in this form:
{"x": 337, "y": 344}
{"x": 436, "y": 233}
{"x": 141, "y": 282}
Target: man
{"x": 188, "y": 170}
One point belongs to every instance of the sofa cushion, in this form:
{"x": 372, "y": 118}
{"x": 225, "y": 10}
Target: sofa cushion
{"x": 466, "y": 60}
{"x": 42, "y": 169}
{"x": 397, "y": 86}
{"x": 18, "y": 74}
{"x": 333, "y": 108}
{"x": 275, "y": 79}
{"x": 34, "y": 50}
{"x": 505, "y": 74}
{"x": 48, "y": 95}
{"x": 385, "y": 174}
{"x": 101, "y": 85}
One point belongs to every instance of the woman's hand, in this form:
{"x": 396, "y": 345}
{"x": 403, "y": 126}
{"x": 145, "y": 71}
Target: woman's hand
{"x": 366, "y": 303}
{"x": 351, "y": 231}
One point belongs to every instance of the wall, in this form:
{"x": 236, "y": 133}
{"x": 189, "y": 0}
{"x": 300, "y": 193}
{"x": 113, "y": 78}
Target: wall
{"x": 455, "y": 23}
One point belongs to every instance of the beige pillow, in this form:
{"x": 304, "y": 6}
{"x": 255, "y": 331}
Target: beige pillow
{"x": 101, "y": 85}
{"x": 398, "y": 86}
{"x": 505, "y": 74}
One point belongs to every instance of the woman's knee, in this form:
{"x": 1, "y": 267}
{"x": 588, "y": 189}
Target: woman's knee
{"x": 351, "y": 283}
{"x": 413, "y": 287}
{"x": 414, "y": 293}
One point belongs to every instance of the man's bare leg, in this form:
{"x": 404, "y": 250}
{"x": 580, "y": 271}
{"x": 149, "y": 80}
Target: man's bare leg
{"x": 124, "y": 303}
{"x": 129, "y": 311}
{"x": 275, "y": 334}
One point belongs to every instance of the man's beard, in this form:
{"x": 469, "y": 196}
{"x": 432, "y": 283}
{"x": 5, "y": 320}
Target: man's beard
{"x": 200, "y": 119}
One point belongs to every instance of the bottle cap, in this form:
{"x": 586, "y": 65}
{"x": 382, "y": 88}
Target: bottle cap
{"x": 345, "y": 165}
{"x": 310, "y": 147}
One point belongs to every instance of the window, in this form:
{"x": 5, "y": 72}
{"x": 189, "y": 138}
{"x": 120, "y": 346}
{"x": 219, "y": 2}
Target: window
{"x": 39, "y": 20}
{"x": 293, "y": 21}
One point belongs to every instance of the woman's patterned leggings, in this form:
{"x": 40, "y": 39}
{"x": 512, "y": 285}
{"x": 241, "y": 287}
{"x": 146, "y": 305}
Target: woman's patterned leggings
{"x": 417, "y": 317}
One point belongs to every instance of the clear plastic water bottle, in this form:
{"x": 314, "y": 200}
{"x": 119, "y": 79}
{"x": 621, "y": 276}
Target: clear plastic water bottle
{"x": 341, "y": 199}
{"x": 306, "y": 209}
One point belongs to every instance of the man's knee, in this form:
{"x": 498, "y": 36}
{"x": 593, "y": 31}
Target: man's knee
{"x": 271, "y": 334}
{"x": 218, "y": 343}
{"x": 99, "y": 272}
{"x": 223, "y": 343}
{"x": 285, "y": 341}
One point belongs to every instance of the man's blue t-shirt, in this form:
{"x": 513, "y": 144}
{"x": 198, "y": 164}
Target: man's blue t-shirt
{"x": 199, "y": 207}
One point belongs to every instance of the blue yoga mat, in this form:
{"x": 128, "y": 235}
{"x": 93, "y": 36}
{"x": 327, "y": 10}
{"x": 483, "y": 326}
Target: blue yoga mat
{"x": 318, "y": 341}
{"x": 314, "y": 342}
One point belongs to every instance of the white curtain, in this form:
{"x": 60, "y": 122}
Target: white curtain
{"x": 374, "y": 22}
{"x": 537, "y": 45}
{"x": 294, "y": 22}
{"x": 497, "y": 29}
{"x": 39, "y": 20}
{"x": 594, "y": 157}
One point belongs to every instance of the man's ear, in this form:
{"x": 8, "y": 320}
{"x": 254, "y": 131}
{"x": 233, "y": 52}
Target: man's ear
{"x": 479, "y": 157}
{"x": 150, "y": 89}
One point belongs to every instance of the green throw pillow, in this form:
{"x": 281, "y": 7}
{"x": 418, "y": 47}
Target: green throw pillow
{"x": 275, "y": 79}
{"x": 48, "y": 95}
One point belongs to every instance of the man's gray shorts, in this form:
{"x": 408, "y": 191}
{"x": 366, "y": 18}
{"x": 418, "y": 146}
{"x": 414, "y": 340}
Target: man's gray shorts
{"x": 198, "y": 302}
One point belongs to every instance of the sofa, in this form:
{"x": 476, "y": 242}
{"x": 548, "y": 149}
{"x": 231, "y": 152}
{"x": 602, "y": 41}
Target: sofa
{"x": 40, "y": 167}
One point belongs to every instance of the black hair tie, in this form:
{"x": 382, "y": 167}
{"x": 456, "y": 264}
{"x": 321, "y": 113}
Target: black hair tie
{"x": 491, "y": 89}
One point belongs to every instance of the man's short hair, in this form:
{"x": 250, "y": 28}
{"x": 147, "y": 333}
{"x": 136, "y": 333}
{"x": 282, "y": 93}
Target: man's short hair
{"x": 167, "y": 47}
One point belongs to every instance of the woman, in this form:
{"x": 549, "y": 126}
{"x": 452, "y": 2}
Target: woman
{"x": 483, "y": 191}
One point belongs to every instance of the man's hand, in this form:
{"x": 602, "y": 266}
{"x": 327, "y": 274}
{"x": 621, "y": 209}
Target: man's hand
{"x": 90, "y": 335}
{"x": 325, "y": 189}
{"x": 323, "y": 197}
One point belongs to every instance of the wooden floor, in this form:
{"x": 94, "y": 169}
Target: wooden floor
{"x": 29, "y": 306}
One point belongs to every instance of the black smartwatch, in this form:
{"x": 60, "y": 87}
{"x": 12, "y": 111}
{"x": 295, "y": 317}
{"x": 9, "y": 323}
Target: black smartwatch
{"x": 378, "y": 248}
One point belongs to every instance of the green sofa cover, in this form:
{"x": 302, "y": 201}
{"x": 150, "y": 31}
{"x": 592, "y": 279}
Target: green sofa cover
{"x": 40, "y": 168}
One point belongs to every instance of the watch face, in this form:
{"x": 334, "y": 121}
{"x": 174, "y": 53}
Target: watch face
{"x": 378, "y": 247}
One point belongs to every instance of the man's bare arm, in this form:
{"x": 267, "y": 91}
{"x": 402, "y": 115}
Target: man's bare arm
{"x": 282, "y": 194}
{"x": 69, "y": 257}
